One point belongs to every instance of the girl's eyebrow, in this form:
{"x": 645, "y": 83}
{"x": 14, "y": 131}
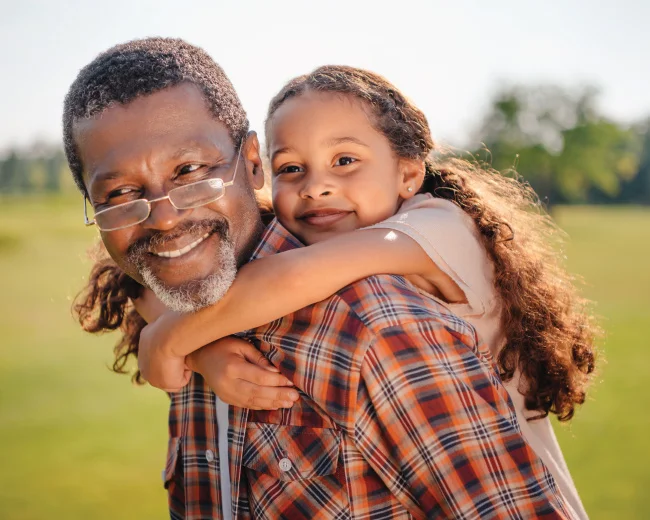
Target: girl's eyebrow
{"x": 284, "y": 149}
{"x": 329, "y": 143}
{"x": 341, "y": 140}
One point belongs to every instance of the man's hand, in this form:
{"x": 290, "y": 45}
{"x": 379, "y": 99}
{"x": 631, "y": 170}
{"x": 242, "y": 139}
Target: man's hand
{"x": 240, "y": 375}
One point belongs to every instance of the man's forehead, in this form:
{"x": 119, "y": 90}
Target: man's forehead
{"x": 174, "y": 108}
{"x": 167, "y": 125}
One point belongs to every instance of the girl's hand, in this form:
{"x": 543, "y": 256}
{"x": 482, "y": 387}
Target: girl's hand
{"x": 149, "y": 306}
{"x": 157, "y": 362}
{"x": 240, "y": 375}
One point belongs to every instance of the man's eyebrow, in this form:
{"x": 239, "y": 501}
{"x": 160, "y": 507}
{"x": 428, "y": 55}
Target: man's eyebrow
{"x": 105, "y": 176}
{"x": 98, "y": 180}
{"x": 342, "y": 140}
{"x": 189, "y": 150}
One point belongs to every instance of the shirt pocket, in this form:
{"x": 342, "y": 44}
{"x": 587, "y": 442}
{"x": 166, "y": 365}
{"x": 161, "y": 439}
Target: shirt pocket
{"x": 291, "y": 452}
{"x": 304, "y": 463}
{"x": 173, "y": 449}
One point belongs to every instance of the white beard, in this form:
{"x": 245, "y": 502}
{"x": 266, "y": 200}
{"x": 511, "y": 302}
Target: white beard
{"x": 196, "y": 294}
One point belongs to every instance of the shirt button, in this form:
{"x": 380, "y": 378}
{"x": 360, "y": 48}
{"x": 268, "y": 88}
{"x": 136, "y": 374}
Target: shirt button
{"x": 209, "y": 455}
{"x": 285, "y": 464}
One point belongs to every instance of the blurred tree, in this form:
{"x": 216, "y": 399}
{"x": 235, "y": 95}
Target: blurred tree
{"x": 53, "y": 169}
{"x": 638, "y": 189}
{"x": 24, "y": 170}
{"x": 9, "y": 172}
{"x": 558, "y": 142}
{"x": 40, "y": 168}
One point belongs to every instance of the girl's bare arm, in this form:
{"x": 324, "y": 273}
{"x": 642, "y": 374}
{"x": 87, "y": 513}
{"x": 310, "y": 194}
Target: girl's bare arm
{"x": 274, "y": 286}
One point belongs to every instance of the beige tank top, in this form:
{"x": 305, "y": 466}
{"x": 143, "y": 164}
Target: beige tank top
{"x": 448, "y": 235}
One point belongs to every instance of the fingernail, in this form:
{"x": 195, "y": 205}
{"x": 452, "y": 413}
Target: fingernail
{"x": 287, "y": 404}
{"x": 288, "y": 383}
{"x": 272, "y": 369}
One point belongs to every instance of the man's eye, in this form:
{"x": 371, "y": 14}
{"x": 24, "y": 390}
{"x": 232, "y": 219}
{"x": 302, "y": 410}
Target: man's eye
{"x": 344, "y": 161}
{"x": 289, "y": 169}
{"x": 116, "y": 196}
{"x": 189, "y": 168}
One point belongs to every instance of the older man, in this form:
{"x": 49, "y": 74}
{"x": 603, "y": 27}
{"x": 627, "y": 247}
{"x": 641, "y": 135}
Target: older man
{"x": 401, "y": 415}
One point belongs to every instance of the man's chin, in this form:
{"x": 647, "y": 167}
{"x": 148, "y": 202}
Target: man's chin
{"x": 194, "y": 294}
{"x": 179, "y": 291}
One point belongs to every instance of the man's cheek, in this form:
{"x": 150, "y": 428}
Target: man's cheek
{"x": 117, "y": 246}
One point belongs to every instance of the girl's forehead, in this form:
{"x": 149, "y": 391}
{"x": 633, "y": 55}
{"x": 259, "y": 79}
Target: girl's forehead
{"x": 325, "y": 99}
{"x": 318, "y": 112}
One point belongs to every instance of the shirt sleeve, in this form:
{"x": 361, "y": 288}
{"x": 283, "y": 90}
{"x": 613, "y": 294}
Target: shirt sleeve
{"x": 448, "y": 236}
{"x": 434, "y": 422}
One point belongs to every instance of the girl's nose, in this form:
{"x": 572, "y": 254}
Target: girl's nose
{"x": 316, "y": 186}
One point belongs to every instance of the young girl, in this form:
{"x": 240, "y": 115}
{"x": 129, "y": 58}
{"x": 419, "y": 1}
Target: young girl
{"x": 354, "y": 179}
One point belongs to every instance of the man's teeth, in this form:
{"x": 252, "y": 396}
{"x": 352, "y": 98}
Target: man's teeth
{"x": 182, "y": 251}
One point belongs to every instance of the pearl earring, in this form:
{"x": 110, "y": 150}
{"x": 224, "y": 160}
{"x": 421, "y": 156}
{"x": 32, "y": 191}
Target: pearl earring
{"x": 409, "y": 189}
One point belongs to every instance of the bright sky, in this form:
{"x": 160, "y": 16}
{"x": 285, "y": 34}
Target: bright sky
{"x": 448, "y": 56}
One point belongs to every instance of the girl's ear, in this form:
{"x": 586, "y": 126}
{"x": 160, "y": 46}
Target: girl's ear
{"x": 253, "y": 160}
{"x": 411, "y": 172}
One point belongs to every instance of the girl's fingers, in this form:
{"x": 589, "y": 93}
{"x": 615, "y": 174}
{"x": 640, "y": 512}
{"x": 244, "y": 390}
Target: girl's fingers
{"x": 149, "y": 306}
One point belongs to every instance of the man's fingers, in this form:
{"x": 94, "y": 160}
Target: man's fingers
{"x": 254, "y": 356}
{"x": 260, "y": 376}
{"x": 265, "y": 398}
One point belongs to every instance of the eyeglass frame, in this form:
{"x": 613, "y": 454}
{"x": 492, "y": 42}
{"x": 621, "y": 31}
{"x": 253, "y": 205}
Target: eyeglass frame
{"x": 93, "y": 222}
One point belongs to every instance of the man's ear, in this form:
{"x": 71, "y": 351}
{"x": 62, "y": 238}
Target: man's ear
{"x": 253, "y": 161}
{"x": 411, "y": 173}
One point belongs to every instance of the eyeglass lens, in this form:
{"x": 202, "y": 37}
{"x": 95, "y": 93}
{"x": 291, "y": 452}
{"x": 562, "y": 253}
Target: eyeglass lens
{"x": 184, "y": 197}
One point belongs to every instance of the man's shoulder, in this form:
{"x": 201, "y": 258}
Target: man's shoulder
{"x": 388, "y": 301}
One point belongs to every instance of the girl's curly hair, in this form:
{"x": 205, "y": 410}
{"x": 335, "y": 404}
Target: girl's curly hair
{"x": 105, "y": 305}
{"x": 548, "y": 327}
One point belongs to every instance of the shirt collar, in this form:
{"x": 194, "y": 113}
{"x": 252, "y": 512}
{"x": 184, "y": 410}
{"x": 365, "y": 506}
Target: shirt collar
{"x": 275, "y": 239}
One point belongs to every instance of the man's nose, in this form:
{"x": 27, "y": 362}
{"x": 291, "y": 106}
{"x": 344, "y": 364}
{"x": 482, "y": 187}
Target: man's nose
{"x": 317, "y": 185}
{"x": 164, "y": 216}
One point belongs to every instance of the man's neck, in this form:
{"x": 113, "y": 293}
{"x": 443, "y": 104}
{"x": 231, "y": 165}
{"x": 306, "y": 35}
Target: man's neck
{"x": 252, "y": 242}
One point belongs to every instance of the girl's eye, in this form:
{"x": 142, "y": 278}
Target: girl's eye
{"x": 344, "y": 161}
{"x": 289, "y": 169}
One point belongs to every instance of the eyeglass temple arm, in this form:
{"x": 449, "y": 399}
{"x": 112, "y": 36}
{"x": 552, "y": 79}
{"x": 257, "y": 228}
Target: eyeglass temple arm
{"x": 231, "y": 182}
{"x": 87, "y": 221}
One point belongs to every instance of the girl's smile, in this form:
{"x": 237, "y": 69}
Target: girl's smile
{"x": 323, "y": 217}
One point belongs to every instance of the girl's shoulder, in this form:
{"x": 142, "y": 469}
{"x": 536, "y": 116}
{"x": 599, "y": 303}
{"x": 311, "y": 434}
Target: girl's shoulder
{"x": 449, "y": 237}
{"x": 436, "y": 207}
{"x": 439, "y": 221}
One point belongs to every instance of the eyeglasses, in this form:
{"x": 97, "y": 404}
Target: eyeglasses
{"x": 184, "y": 197}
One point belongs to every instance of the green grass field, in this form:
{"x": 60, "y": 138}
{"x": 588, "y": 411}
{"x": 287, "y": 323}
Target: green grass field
{"x": 79, "y": 442}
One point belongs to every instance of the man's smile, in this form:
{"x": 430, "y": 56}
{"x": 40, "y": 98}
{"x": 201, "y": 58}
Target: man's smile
{"x": 183, "y": 250}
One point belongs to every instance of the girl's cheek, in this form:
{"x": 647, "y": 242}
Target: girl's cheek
{"x": 281, "y": 202}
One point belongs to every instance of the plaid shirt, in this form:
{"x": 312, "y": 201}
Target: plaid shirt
{"x": 401, "y": 415}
